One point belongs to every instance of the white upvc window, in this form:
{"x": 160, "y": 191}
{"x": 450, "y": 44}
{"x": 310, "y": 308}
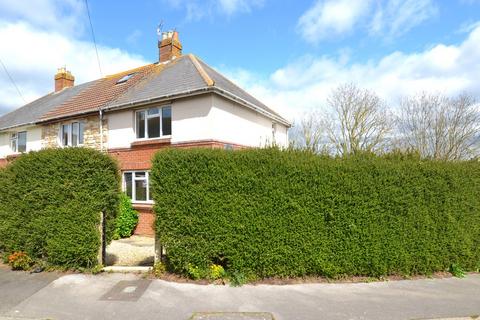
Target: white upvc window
{"x": 136, "y": 185}
{"x": 153, "y": 123}
{"x": 18, "y": 141}
{"x": 71, "y": 134}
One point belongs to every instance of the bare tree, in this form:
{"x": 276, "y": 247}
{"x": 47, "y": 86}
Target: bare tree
{"x": 357, "y": 122}
{"x": 308, "y": 132}
{"x": 440, "y": 127}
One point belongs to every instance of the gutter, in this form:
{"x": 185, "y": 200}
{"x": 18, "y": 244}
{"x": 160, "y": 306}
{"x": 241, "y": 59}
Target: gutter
{"x": 185, "y": 94}
{"x": 221, "y": 92}
{"x": 101, "y": 128}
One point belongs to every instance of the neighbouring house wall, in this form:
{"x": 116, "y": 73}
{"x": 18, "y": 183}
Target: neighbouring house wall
{"x": 4, "y": 145}
{"x": 234, "y": 123}
{"x": 91, "y": 135}
{"x": 34, "y": 140}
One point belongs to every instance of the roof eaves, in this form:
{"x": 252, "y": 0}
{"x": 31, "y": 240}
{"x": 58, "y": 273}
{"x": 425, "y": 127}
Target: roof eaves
{"x": 159, "y": 98}
{"x": 18, "y": 125}
{"x": 66, "y": 116}
{"x": 199, "y": 91}
{"x": 249, "y": 105}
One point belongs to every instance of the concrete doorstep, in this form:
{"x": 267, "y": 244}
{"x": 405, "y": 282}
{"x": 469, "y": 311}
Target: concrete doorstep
{"x": 127, "y": 269}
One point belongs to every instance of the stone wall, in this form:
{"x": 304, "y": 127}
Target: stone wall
{"x": 91, "y": 135}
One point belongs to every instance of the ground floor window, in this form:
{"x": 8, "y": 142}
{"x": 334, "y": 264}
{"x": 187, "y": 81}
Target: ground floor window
{"x": 18, "y": 141}
{"x": 136, "y": 185}
{"x": 71, "y": 134}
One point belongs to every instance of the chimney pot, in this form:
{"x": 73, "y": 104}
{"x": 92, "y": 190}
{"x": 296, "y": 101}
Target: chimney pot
{"x": 63, "y": 79}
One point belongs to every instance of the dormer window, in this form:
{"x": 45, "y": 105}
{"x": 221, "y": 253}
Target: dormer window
{"x": 71, "y": 134}
{"x": 18, "y": 141}
{"x": 153, "y": 123}
{"x": 125, "y": 78}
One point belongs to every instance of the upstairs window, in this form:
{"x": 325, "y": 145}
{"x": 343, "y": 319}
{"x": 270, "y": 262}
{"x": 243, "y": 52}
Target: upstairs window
{"x": 71, "y": 134}
{"x": 18, "y": 141}
{"x": 136, "y": 186}
{"x": 153, "y": 123}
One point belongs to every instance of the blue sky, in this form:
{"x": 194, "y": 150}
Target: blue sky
{"x": 288, "y": 53}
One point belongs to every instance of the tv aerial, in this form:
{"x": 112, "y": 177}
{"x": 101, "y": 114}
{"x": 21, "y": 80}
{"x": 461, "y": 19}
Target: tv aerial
{"x": 159, "y": 30}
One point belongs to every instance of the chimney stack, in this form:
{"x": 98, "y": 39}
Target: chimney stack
{"x": 63, "y": 79}
{"x": 169, "y": 47}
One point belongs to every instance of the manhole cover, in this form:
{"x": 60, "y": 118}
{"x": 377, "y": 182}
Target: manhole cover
{"x": 127, "y": 291}
{"x": 232, "y": 316}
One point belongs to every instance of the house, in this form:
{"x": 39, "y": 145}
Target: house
{"x": 178, "y": 101}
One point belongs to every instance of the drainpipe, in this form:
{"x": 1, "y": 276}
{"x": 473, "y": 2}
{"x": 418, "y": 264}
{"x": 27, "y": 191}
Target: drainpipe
{"x": 101, "y": 129}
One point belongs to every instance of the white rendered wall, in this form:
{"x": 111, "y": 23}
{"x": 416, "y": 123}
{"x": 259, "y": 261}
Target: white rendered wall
{"x": 4, "y": 145}
{"x": 34, "y": 140}
{"x": 190, "y": 122}
{"x": 234, "y": 123}
{"x": 192, "y": 119}
{"x": 121, "y": 131}
{"x": 207, "y": 117}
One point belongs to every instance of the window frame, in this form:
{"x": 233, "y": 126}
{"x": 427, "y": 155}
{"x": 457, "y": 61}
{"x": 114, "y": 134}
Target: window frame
{"x": 80, "y": 129}
{"x": 14, "y": 140}
{"x": 133, "y": 186}
{"x": 158, "y": 115}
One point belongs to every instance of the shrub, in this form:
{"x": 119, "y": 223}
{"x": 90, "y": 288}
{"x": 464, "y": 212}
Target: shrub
{"x": 20, "y": 261}
{"x": 159, "y": 269}
{"x": 194, "y": 272}
{"x": 237, "y": 279}
{"x": 127, "y": 218}
{"x": 456, "y": 271}
{"x": 216, "y": 272}
{"x": 51, "y": 202}
{"x": 274, "y": 213}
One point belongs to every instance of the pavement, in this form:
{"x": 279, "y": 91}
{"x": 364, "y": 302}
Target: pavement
{"x": 129, "y": 296}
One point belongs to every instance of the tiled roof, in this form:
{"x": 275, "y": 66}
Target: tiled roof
{"x": 100, "y": 93}
{"x": 154, "y": 81}
{"x": 178, "y": 76}
{"x": 33, "y": 111}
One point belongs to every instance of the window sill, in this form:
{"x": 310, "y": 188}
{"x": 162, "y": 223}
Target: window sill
{"x": 142, "y": 205}
{"x": 146, "y": 142}
{"x": 14, "y": 155}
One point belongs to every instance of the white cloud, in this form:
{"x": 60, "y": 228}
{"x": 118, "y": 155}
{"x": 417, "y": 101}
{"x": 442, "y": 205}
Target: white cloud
{"x": 329, "y": 19}
{"x": 42, "y": 36}
{"x": 60, "y": 15}
{"x": 34, "y": 60}
{"x": 305, "y": 83}
{"x": 196, "y": 9}
{"x": 397, "y": 17}
{"x": 232, "y": 6}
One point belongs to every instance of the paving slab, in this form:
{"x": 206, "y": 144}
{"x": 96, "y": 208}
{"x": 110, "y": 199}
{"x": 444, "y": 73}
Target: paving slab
{"x": 233, "y": 316}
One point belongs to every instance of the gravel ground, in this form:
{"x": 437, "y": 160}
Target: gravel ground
{"x": 133, "y": 251}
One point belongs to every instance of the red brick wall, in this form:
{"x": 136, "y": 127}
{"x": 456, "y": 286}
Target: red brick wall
{"x": 146, "y": 221}
{"x": 139, "y": 157}
{"x": 3, "y": 163}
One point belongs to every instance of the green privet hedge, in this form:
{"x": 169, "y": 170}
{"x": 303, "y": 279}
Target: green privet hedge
{"x": 270, "y": 213}
{"x": 50, "y": 205}
{"x": 127, "y": 218}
